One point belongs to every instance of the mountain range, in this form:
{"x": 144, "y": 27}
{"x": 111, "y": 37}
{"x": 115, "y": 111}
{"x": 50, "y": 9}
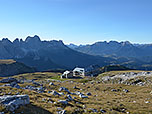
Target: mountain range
{"x": 117, "y": 49}
{"x": 45, "y": 55}
{"x": 136, "y": 56}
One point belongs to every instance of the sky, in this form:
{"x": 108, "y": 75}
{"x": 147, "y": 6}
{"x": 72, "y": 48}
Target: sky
{"x": 77, "y": 21}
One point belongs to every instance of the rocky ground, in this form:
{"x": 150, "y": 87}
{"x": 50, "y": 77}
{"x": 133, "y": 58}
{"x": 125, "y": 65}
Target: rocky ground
{"x": 49, "y": 94}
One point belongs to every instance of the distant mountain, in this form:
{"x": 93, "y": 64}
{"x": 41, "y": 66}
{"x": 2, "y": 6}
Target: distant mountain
{"x": 72, "y": 46}
{"x": 11, "y": 67}
{"x": 118, "y": 49}
{"x": 45, "y": 55}
{"x": 49, "y": 55}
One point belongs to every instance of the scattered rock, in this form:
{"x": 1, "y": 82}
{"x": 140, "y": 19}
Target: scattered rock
{"x": 102, "y": 111}
{"x": 147, "y": 102}
{"x": 61, "y": 93}
{"x": 73, "y": 94}
{"x": 83, "y": 96}
{"x": 55, "y": 93}
{"x": 59, "y": 108}
{"x": 37, "y": 84}
{"x": 8, "y": 80}
{"x": 134, "y": 101}
{"x": 75, "y": 87}
{"x": 89, "y": 94}
{"x": 40, "y": 89}
{"x": 69, "y": 97}
{"x": 49, "y": 91}
{"x": 114, "y": 90}
{"x": 51, "y": 83}
{"x": 17, "y": 86}
{"x": 65, "y": 102}
{"x": 125, "y": 90}
{"x": 13, "y": 102}
{"x": 93, "y": 110}
{"x": 64, "y": 89}
{"x": 78, "y": 92}
{"x": 2, "y": 112}
{"x": 62, "y": 112}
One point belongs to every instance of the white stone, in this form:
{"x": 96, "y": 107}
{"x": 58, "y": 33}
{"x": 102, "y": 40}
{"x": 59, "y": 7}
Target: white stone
{"x": 13, "y": 102}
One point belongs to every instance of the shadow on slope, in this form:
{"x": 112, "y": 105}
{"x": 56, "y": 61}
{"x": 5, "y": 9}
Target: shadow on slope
{"x": 32, "y": 109}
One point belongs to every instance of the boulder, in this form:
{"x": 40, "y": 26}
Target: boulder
{"x": 64, "y": 89}
{"x": 69, "y": 97}
{"x": 37, "y": 84}
{"x": 114, "y": 90}
{"x": 93, "y": 110}
{"x": 11, "y": 103}
{"x": 65, "y": 102}
{"x": 83, "y": 96}
{"x": 78, "y": 93}
{"x": 17, "y": 86}
{"x": 41, "y": 89}
{"x": 62, "y": 112}
{"x": 125, "y": 90}
{"x": 75, "y": 87}
{"x": 61, "y": 93}
{"x": 8, "y": 80}
{"x": 102, "y": 111}
{"x": 55, "y": 93}
{"x": 51, "y": 83}
{"x": 89, "y": 94}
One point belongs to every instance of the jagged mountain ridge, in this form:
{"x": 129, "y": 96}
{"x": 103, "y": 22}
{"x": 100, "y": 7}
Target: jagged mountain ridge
{"x": 45, "y": 55}
{"x": 118, "y": 49}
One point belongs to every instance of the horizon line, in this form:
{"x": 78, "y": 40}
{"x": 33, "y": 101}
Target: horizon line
{"x": 68, "y": 43}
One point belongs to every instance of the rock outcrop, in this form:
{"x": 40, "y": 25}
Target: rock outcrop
{"x": 11, "y": 103}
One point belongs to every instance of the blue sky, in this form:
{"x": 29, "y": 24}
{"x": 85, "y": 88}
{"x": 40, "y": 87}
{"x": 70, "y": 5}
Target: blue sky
{"x": 77, "y": 21}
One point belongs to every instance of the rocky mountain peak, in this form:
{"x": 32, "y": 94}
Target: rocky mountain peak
{"x": 33, "y": 39}
{"x": 6, "y": 41}
{"x": 126, "y": 43}
{"x": 113, "y": 42}
{"x": 16, "y": 40}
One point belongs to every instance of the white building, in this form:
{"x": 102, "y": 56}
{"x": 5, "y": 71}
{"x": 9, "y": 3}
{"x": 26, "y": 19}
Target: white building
{"x": 79, "y": 72}
{"x": 66, "y": 74}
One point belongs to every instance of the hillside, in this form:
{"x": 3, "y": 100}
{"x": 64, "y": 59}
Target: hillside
{"x": 11, "y": 67}
{"x": 95, "y": 70}
{"x": 117, "y": 49}
{"x": 46, "y": 90}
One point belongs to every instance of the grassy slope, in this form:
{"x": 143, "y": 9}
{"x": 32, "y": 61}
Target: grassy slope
{"x": 7, "y": 61}
{"x": 112, "y": 102}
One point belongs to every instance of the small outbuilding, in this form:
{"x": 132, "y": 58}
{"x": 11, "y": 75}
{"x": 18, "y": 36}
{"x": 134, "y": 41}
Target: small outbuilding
{"x": 66, "y": 74}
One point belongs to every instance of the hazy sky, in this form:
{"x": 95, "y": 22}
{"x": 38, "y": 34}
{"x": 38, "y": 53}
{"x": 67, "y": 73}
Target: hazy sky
{"x": 77, "y": 21}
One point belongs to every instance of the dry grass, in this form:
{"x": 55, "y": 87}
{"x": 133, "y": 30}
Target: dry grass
{"x": 7, "y": 61}
{"x": 102, "y": 96}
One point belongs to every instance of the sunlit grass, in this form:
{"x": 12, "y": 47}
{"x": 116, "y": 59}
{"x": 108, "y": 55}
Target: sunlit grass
{"x": 102, "y": 97}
